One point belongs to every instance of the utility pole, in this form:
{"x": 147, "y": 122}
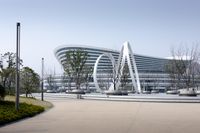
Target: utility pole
{"x": 42, "y": 82}
{"x": 17, "y": 75}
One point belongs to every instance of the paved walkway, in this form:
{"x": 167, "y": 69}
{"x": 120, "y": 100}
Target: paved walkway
{"x": 130, "y": 98}
{"x": 84, "y": 116}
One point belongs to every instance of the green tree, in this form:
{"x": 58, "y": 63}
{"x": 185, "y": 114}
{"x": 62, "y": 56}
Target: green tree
{"x": 7, "y": 71}
{"x": 75, "y": 64}
{"x": 30, "y": 81}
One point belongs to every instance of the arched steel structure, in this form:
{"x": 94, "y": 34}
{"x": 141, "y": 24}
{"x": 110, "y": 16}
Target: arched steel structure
{"x": 109, "y": 55}
{"x": 125, "y": 54}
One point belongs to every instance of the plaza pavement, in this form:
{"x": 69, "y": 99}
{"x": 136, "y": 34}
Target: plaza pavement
{"x": 91, "y": 116}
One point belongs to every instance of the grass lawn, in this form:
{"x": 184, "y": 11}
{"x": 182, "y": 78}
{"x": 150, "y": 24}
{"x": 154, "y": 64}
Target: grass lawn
{"x": 33, "y": 101}
{"x": 28, "y": 107}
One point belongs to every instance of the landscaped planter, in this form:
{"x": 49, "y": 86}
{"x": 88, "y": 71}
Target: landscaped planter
{"x": 131, "y": 92}
{"x": 155, "y": 91}
{"x": 87, "y": 91}
{"x": 198, "y": 92}
{"x": 114, "y": 92}
{"x": 75, "y": 92}
{"x": 124, "y": 92}
{"x": 187, "y": 93}
{"x": 172, "y": 92}
{"x": 50, "y": 91}
{"x": 146, "y": 92}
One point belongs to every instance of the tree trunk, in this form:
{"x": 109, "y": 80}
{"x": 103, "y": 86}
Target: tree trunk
{"x": 4, "y": 83}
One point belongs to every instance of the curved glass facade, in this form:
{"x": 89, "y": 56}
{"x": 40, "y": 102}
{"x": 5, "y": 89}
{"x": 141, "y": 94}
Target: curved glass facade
{"x": 151, "y": 70}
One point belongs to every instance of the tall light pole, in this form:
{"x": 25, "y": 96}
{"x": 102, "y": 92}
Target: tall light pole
{"x": 42, "y": 82}
{"x": 17, "y": 75}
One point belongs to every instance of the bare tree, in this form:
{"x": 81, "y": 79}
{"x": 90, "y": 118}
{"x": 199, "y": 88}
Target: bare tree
{"x": 88, "y": 75}
{"x": 119, "y": 75}
{"x": 51, "y": 81}
{"x": 67, "y": 75}
{"x": 170, "y": 68}
{"x": 183, "y": 66}
{"x": 124, "y": 76}
{"x": 116, "y": 75}
{"x": 75, "y": 64}
{"x": 67, "y": 80}
{"x": 155, "y": 82}
{"x": 104, "y": 78}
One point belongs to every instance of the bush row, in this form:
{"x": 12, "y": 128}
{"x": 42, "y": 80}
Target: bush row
{"x": 9, "y": 114}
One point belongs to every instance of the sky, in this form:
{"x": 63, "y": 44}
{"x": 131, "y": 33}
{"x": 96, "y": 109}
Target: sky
{"x": 151, "y": 26}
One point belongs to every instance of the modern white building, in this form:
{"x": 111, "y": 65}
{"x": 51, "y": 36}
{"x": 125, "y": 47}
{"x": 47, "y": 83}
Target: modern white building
{"x": 151, "y": 70}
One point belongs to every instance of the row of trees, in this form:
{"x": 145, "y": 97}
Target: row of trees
{"x": 29, "y": 80}
{"x": 184, "y": 68}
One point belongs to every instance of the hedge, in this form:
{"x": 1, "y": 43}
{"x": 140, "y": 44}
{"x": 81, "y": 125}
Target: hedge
{"x": 9, "y": 114}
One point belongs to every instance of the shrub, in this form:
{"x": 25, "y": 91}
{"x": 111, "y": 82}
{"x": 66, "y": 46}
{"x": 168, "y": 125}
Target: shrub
{"x": 9, "y": 114}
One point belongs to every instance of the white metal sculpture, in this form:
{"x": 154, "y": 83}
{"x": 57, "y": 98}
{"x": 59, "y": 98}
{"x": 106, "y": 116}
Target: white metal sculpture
{"x": 109, "y": 55}
{"x": 125, "y": 54}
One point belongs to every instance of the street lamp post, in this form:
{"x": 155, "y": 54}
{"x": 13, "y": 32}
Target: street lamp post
{"x": 42, "y": 82}
{"x": 17, "y": 76}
